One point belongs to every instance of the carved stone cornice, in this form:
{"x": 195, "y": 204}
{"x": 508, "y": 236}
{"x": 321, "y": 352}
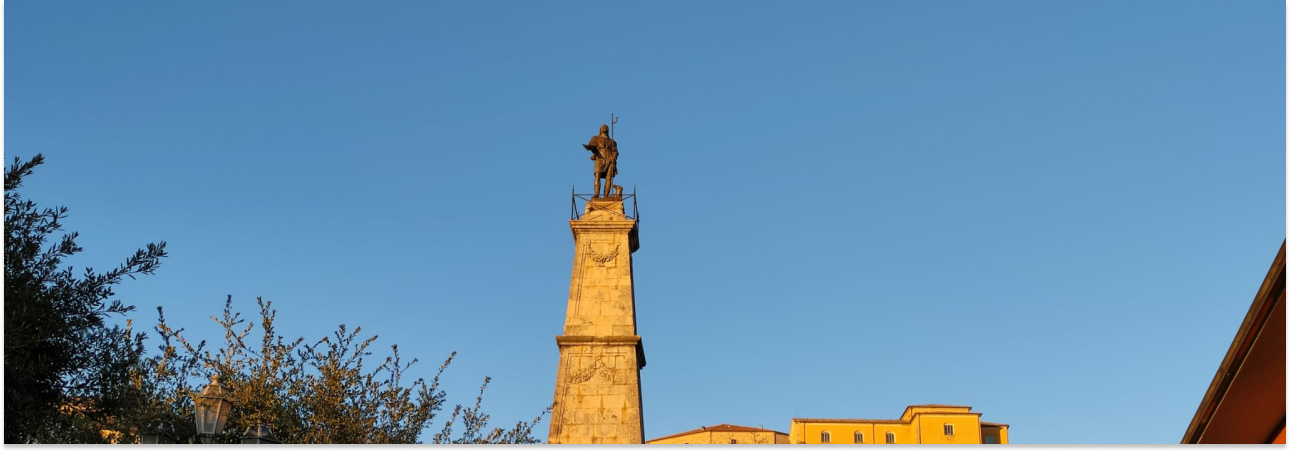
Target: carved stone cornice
{"x": 607, "y": 340}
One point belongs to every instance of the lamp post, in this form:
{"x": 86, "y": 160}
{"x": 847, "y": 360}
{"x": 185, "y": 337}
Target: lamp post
{"x": 158, "y": 433}
{"x": 259, "y": 434}
{"x": 213, "y": 405}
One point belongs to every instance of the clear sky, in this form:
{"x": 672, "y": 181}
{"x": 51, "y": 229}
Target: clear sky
{"x": 1055, "y": 212}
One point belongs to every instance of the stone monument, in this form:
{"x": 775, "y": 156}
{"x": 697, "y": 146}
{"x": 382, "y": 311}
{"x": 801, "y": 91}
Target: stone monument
{"x": 597, "y": 387}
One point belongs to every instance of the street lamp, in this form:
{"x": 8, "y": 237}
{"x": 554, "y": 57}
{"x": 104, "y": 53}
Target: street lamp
{"x": 259, "y": 434}
{"x": 158, "y": 433}
{"x": 212, "y": 408}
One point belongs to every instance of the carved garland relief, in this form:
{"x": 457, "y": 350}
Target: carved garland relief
{"x": 604, "y": 256}
{"x": 599, "y": 368}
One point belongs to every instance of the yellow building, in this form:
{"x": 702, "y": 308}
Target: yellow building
{"x": 919, "y": 424}
{"x": 724, "y": 434}
{"x": 77, "y": 407}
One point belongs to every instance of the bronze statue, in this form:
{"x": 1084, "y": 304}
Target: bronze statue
{"x": 604, "y": 151}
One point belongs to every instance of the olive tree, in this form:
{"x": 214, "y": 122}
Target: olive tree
{"x": 325, "y": 391}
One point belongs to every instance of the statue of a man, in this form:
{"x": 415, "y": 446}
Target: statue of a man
{"x": 604, "y": 151}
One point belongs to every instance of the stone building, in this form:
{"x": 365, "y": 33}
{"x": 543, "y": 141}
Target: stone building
{"x": 724, "y": 434}
{"x": 919, "y": 424}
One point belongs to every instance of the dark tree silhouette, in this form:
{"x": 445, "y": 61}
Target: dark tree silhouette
{"x": 63, "y": 364}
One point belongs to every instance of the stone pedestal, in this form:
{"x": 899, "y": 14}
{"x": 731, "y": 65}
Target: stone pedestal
{"x": 597, "y": 388}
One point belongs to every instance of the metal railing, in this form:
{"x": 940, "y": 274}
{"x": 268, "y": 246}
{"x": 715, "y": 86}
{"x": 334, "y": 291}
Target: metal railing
{"x": 575, "y": 213}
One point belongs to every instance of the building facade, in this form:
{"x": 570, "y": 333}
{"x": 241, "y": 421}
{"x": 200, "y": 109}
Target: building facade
{"x": 724, "y": 434}
{"x": 919, "y": 424}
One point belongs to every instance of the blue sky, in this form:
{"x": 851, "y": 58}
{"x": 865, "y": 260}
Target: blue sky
{"x": 1054, "y": 212}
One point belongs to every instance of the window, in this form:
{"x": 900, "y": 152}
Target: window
{"x": 990, "y": 439}
{"x": 891, "y": 438}
{"x": 859, "y": 438}
{"x": 949, "y": 429}
{"x": 732, "y": 441}
{"x": 825, "y": 437}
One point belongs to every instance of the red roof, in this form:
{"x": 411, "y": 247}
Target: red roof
{"x": 719, "y": 428}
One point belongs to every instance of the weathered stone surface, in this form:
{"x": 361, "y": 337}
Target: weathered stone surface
{"x": 597, "y": 389}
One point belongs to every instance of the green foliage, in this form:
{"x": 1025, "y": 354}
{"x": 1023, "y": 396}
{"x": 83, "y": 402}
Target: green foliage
{"x": 65, "y": 369}
{"x": 324, "y": 392}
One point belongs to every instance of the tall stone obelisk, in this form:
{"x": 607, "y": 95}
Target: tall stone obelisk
{"x": 598, "y": 386}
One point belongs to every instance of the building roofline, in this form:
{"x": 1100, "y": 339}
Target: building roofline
{"x": 910, "y": 408}
{"x": 901, "y": 420}
{"x": 728, "y": 428}
{"x": 937, "y": 405}
{"x": 847, "y": 421}
{"x": 1265, "y": 300}
{"x": 869, "y": 421}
